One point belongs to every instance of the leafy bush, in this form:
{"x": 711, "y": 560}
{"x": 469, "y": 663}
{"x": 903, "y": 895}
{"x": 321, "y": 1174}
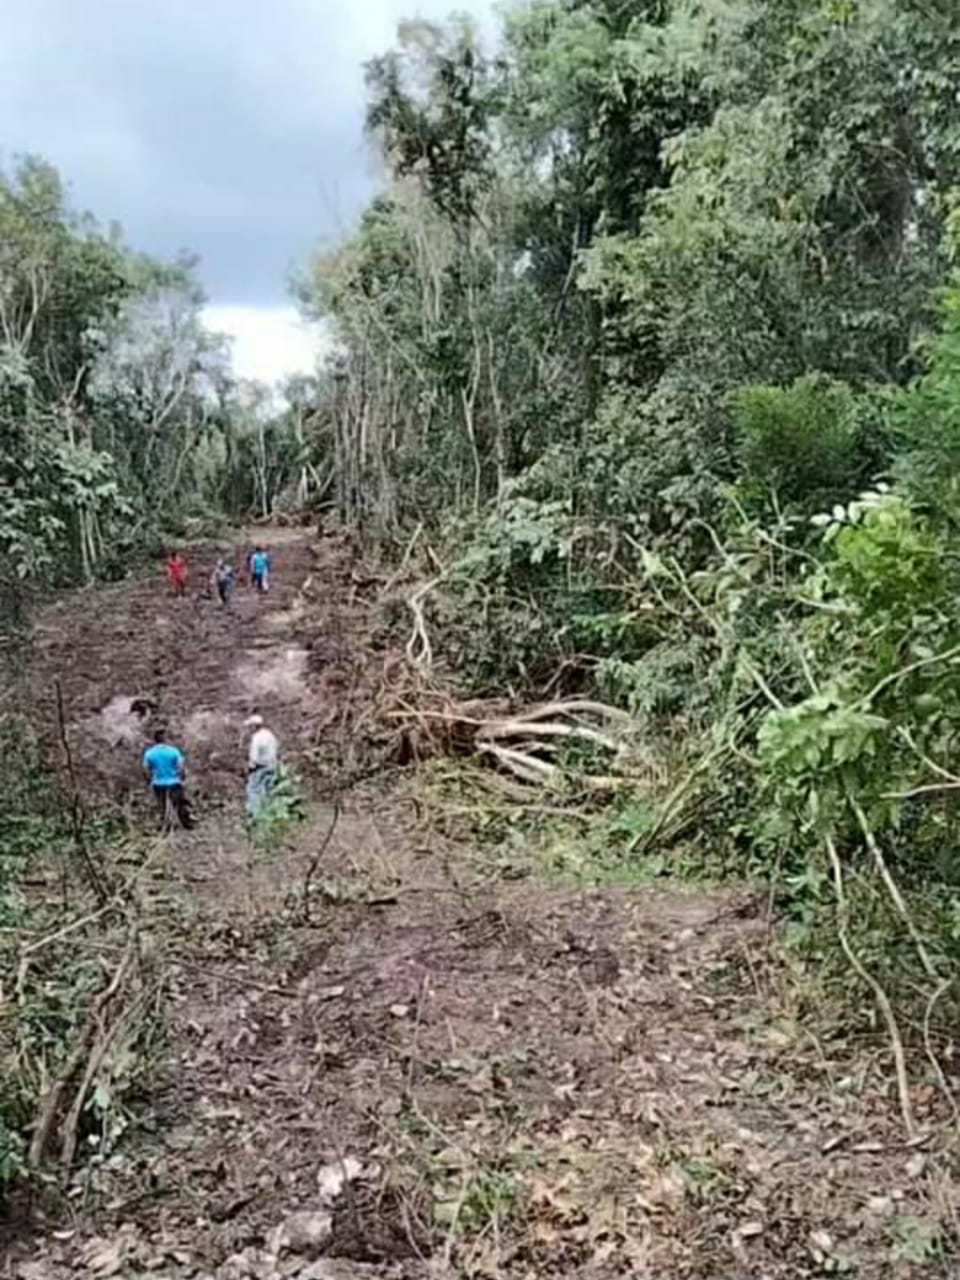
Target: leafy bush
{"x": 802, "y": 444}
{"x": 284, "y": 807}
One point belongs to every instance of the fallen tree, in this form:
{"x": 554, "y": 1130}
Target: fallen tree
{"x": 565, "y": 743}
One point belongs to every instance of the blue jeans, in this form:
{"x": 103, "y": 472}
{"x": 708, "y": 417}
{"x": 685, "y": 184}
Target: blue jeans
{"x": 260, "y": 782}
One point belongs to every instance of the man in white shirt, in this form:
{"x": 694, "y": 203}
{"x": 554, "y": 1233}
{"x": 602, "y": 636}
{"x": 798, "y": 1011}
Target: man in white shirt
{"x": 263, "y": 761}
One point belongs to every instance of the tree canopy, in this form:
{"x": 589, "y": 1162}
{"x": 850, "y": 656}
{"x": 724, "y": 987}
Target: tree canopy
{"x": 121, "y": 421}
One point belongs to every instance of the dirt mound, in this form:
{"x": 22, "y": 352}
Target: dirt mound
{"x": 272, "y": 676}
{"x": 120, "y": 722}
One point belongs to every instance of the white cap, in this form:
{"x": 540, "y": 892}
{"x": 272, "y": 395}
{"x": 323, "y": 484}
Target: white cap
{"x": 253, "y": 722}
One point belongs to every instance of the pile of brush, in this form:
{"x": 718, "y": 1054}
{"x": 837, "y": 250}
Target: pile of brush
{"x": 565, "y": 743}
{"x": 536, "y": 745}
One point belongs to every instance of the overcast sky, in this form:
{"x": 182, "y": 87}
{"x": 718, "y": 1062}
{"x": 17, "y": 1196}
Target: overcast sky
{"x": 232, "y": 128}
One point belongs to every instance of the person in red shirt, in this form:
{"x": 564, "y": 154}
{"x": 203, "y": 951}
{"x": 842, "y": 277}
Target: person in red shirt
{"x": 177, "y": 572}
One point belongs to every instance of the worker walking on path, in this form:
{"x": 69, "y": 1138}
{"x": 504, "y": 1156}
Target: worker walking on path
{"x": 263, "y": 762}
{"x": 223, "y": 580}
{"x": 260, "y": 565}
{"x": 177, "y": 573}
{"x": 165, "y": 768}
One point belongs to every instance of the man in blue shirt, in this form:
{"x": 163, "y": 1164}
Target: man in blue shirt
{"x": 260, "y": 569}
{"x": 164, "y": 765}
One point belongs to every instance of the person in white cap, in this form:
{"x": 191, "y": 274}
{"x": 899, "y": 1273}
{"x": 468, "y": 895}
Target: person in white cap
{"x": 263, "y": 761}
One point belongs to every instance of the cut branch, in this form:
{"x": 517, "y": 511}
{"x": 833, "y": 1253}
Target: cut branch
{"x": 883, "y": 1000}
{"x": 81, "y": 1047}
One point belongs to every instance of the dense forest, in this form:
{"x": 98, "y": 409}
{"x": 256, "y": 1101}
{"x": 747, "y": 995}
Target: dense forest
{"x": 641, "y": 394}
{"x": 656, "y": 331}
{"x": 121, "y": 422}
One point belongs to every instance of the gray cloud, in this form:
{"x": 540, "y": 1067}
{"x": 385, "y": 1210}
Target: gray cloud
{"x": 232, "y": 128}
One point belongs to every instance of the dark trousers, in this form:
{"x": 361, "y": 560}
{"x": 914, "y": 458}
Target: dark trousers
{"x": 172, "y": 807}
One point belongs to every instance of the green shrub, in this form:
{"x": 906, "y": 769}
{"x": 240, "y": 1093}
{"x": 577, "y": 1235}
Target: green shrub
{"x": 804, "y": 443}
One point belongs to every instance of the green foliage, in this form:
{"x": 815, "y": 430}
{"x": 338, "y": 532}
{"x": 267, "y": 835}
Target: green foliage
{"x": 806, "y": 744}
{"x": 51, "y": 985}
{"x": 119, "y": 420}
{"x": 925, "y": 419}
{"x": 801, "y": 443}
{"x": 887, "y": 561}
{"x": 919, "y": 1240}
{"x": 439, "y": 131}
{"x": 521, "y": 535}
{"x": 60, "y": 283}
{"x": 283, "y": 809}
{"x": 489, "y": 1195}
{"x": 641, "y": 335}
{"x": 36, "y": 822}
{"x": 596, "y": 245}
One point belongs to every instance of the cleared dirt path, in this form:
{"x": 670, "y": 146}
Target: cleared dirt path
{"x": 430, "y": 1071}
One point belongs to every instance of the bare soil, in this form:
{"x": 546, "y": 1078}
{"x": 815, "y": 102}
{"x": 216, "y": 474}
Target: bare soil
{"x": 501, "y": 1078}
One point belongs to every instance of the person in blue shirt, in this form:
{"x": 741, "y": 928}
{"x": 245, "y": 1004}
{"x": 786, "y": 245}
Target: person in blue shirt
{"x": 260, "y": 569}
{"x": 165, "y": 768}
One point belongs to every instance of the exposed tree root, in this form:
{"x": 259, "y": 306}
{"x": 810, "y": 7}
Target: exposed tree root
{"x": 530, "y": 769}
{"x": 426, "y": 722}
{"x": 419, "y": 650}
